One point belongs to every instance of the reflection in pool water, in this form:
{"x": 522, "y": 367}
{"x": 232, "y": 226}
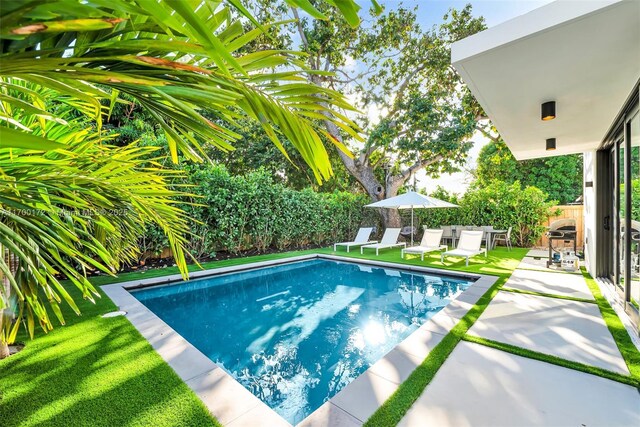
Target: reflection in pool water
{"x": 297, "y": 333}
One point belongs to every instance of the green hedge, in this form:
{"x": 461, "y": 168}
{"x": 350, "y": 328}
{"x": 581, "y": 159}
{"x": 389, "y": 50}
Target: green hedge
{"x": 499, "y": 204}
{"x": 237, "y": 213}
{"x": 252, "y": 212}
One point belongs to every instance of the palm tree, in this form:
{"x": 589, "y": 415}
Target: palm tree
{"x": 65, "y": 194}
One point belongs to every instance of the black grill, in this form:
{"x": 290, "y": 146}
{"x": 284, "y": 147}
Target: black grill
{"x": 563, "y": 230}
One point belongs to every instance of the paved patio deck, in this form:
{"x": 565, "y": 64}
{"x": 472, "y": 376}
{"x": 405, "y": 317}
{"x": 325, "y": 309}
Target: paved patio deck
{"x": 479, "y": 385}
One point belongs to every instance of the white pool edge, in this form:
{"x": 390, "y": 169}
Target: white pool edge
{"x": 230, "y": 402}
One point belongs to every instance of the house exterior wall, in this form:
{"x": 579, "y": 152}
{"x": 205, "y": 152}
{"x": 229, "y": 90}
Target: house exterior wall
{"x": 589, "y": 212}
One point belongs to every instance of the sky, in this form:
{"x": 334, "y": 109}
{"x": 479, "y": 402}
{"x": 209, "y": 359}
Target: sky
{"x": 429, "y": 13}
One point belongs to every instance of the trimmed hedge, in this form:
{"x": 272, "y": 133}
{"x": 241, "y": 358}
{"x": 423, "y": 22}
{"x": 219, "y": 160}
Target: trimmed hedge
{"x": 237, "y": 213}
{"x": 252, "y": 212}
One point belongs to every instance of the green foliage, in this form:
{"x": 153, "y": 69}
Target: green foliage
{"x": 560, "y": 176}
{"x": 434, "y": 218}
{"x": 66, "y": 194}
{"x": 506, "y": 205}
{"x": 236, "y": 213}
{"x": 499, "y": 204}
{"x": 176, "y": 59}
{"x": 66, "y": 212}
{"x": 401, "y": 70}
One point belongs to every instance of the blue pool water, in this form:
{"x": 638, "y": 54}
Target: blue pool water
{"x": 295, "y": 334}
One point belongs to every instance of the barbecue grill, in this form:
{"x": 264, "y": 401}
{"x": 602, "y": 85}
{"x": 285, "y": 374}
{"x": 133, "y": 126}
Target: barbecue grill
{"x": 561, "y": 230}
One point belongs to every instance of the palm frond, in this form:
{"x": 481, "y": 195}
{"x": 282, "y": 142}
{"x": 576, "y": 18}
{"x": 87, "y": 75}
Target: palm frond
{"x": 175, "y": 60}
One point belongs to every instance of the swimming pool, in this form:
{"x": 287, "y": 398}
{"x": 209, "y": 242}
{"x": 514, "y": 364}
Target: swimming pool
{"x": 295, "y": 334}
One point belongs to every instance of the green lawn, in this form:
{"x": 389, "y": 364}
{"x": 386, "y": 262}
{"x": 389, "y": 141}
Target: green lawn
{"x": 94, "y": 372}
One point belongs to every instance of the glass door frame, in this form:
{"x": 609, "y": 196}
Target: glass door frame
{"x": 609, "y": 201}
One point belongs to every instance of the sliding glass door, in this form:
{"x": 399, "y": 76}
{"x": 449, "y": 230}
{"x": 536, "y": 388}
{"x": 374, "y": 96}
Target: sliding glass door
{"x": 620, "y": 208}
{"x": 633, "y": 130}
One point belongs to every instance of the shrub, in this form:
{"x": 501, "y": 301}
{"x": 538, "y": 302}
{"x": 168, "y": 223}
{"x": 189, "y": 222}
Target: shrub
{"x": 499, "y": 204}
{"x": 509, "y": 205}
{"x": 237, "y": 213}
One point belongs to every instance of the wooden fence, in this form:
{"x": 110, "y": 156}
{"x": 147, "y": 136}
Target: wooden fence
{"x": 568, "y": 211}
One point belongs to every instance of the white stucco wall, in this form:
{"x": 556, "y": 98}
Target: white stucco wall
{"x": 590, "y": 211}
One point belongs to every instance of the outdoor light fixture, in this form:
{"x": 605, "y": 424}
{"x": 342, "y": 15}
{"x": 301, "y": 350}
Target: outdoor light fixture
{"x": 548, "y": 111}
{"x": 551, "y": 144}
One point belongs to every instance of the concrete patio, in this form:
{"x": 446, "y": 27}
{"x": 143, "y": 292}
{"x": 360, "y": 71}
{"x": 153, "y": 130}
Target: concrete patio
{"x": 479, "y": 385}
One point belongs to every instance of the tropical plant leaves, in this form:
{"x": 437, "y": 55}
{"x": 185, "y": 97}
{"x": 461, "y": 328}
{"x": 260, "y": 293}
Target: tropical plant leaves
{"x": 69, "y": 203}
{"x": 144, "y": 65}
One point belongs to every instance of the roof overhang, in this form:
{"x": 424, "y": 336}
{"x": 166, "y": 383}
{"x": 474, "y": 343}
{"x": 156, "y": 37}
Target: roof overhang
{"x": 583, "y": 55}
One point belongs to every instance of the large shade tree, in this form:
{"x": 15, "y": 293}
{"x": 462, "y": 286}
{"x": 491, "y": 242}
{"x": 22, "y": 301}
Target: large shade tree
{"x": 391, "y": 64}
{"x": 559, "y": 176}
{"x": 70, "y": 202}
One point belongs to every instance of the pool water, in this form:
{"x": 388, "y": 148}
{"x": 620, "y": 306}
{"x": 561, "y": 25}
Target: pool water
{"x": 297, "y": 333}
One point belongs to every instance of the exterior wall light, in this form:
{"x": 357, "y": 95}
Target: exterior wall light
{"x": 551, "y": 144}
{"x": 548, "y": 111}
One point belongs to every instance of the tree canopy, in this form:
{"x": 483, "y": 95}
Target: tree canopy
{"x": 393, "y": 66}
{"x": 559, "y": 176}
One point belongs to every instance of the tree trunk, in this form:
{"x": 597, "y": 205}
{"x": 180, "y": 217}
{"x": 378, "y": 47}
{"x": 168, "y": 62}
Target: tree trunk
{"x": 391, "y": 218}
{"x": 4, "y": 350}
{"x": 362, "y": 171}
{"x": 6, "y": 315}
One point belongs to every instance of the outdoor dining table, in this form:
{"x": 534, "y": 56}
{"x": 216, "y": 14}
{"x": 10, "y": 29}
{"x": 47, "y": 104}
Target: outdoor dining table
{"x": 489, "y": 234}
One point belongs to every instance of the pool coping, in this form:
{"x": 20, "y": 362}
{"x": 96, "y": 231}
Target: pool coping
{"x": 234, "y": 405}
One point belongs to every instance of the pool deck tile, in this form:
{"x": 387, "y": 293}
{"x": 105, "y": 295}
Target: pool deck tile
{"x": 571, "y": 330}
{"x": 441, "y": 323}
{"x": 461, "y": 305}
{"x": 482, "y": 386}
{"x": 477, "y": 290}
{"x": 226, "y": 399}
{"x": 330, "y": 415}
{"x": 364, "y": 395}
{"x": 571, "y": 285}
{"x": 187, "y": 361}
{"x": 420, "y": 343}
{"x": 396, "y": 366}
{"x": 261, "y": 415}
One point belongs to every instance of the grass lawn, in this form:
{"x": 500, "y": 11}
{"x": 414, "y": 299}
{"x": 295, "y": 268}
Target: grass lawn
{"x": 94, "y": 372}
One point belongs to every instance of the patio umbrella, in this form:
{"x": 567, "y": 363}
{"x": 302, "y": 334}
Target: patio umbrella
{"x": 411, "y": 200}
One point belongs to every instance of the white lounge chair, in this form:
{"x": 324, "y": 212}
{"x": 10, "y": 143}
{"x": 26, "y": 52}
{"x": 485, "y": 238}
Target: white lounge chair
{"x": 430, "y": 242}
{"x": 362, "y": 238}
{"x": 389, "y": 240}
{"x": 468, "y": 246}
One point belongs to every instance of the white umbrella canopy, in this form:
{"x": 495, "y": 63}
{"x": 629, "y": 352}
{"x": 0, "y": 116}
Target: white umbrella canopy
{"x": 411, "y": 200}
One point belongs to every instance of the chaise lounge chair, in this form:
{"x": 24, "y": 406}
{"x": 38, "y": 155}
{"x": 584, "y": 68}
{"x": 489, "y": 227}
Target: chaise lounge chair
{"x": 468, "y": 246}
{"x": 389, "y": 240}
{"x": 362, "y": 238}
{"x": 430, "y": 242}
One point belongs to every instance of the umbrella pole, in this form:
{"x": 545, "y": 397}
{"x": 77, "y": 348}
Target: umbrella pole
{"x": 411, "y": 225}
